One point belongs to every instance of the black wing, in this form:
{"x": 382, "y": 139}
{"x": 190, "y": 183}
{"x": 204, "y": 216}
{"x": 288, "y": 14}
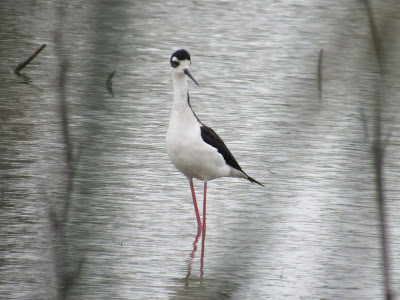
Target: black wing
{"x": 213, "y": 139}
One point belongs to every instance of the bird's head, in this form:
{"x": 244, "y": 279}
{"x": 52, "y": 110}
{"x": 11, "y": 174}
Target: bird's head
{"x": 180, "y": 63}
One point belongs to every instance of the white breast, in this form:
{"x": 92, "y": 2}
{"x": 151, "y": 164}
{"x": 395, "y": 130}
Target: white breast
{"x": 189, "y": 153}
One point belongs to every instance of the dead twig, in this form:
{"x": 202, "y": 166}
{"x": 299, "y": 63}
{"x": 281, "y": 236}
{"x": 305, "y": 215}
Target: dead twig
{"x": 378, "y": 149}
{"x": 23, "y": 64}
{"x": 319, "y": 73}
{"x": 365, "y": 124}
{"x": 109, "y": 83}
{"x": 63, "y": 275}
{"x": 374, "y": 33}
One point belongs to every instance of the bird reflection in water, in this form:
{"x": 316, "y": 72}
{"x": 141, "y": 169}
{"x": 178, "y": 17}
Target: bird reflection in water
{"x": 193, "y": 253}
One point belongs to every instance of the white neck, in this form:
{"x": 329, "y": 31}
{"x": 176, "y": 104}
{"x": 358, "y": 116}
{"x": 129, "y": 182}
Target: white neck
{"x": 180, "y": 86}
{"x": 181, "y": 111}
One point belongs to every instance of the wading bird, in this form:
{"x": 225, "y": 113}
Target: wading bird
{"x": 195, "y": 149}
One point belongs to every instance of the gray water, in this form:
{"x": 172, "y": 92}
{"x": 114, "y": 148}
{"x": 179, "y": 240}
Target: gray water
{"x": 311, "y": 233}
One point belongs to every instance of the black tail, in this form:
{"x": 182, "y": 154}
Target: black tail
{"x": 253, "y": 180}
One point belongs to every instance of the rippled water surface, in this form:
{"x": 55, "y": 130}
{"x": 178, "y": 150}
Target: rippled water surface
{"x": 311, "y": 233}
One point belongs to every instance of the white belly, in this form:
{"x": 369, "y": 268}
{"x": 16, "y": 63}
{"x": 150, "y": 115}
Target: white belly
{"x": 192, "y": 156}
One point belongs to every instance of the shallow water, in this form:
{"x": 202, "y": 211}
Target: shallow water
{"x": 311, "y": 233}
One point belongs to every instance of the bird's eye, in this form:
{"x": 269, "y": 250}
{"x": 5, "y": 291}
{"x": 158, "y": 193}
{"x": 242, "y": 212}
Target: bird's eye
{"x": 175, "y": 63}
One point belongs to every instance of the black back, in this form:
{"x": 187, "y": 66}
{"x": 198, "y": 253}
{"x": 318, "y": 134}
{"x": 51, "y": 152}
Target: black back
{"x": 210, "y": 137}
{"x": 213, "y": 139}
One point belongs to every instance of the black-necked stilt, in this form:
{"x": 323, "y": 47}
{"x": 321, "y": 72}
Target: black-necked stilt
{"x": 195, "y": 149}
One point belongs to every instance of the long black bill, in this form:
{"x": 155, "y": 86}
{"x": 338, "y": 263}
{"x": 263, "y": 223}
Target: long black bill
{"x": 190, "y": 76}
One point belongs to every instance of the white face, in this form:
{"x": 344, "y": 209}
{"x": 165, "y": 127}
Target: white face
{"x": 180, "y": 65}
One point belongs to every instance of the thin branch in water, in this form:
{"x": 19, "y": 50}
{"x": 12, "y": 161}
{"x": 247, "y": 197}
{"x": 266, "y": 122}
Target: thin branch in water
{"x": 109, "y": 83}
{"x": 378, "y": 153}
{"x": 64, "y": 278}
{"x": 319, "y": 73}
{"x": 281, "y": 277}
{"x": 27, "y": 61}
{"x": 61, "y": 82}
{"x": 386, "y": 141}
{"x": 66, "y": 138}
{"x": 374, "y": 33}
{"x": 365, "y": 124}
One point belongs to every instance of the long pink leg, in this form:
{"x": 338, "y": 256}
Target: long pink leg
{"x": 195, "y": 204}
{"x": 204, "y": 205}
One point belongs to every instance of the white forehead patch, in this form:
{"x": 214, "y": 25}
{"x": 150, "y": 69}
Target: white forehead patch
{"x": 183, "y": 64}
{"x": 185, "y": 61}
